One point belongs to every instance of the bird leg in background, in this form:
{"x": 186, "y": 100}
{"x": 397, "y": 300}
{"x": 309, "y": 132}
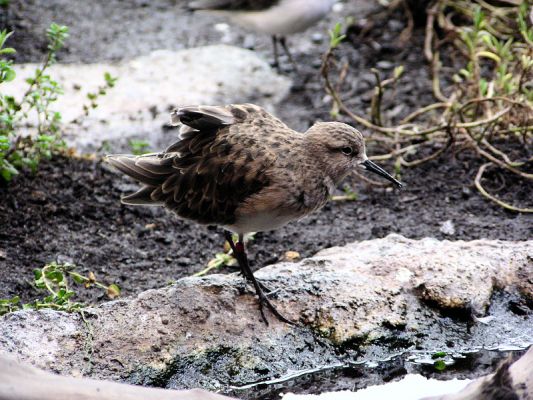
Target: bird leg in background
{"x": 240, "y": 254}
{"x": 276, "y": 54}
{"x": 283, "y": 42}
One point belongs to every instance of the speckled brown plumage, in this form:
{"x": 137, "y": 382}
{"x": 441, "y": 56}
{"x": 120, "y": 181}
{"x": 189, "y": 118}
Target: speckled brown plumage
{"x": 242, "y": 168}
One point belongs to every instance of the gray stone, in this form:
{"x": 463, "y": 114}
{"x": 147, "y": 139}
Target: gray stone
{"x": 366, "y": 296}
{"x": 149, "y": 86}
{"x": 448, "y": 227}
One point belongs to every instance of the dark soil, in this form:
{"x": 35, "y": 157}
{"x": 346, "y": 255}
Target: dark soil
{"x": 70, "y": 210}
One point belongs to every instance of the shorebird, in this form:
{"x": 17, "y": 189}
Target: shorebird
{"x": 277, "y": 18}
{"x": 241, "y": 168}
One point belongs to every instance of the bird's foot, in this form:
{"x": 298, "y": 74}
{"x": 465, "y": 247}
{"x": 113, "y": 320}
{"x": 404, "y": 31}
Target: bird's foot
{"x": 265, "y": 289}
{"x": 265, "y": 301}
{"x": 263, "y": 293}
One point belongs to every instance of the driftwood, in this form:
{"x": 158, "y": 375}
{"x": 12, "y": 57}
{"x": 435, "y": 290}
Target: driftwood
{"x": 24, "y": 382}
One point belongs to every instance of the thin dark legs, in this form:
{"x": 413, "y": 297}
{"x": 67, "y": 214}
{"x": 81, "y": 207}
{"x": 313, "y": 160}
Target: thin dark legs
{"x": 283, "y": 42}
{"x": 240, "y": 254}
{"x": 276, "y": 54}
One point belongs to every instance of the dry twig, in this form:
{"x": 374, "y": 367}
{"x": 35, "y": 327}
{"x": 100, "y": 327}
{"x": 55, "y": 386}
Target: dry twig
{"x": 480, "y": 108}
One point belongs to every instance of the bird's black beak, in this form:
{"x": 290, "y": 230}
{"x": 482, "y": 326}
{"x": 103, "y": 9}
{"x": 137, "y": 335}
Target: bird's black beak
{"x": 370, "y": 166}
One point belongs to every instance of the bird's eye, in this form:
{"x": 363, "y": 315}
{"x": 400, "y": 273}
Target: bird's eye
{"x": 347, "y": 150}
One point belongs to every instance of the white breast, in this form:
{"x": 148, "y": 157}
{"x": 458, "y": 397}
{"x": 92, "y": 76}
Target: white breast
{"x": 260, "y": 222}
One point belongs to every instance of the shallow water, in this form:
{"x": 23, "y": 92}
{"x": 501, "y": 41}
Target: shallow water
{"x": 410, "y": 387}
{"x": 410, "y": 376}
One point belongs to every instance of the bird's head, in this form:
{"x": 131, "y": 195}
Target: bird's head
{"x": 341, "y": 148}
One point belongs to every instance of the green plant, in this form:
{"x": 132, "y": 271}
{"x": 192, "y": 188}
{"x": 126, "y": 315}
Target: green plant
{"x": 139, "y": 147}
{"x": 489, "y": 102}
{"x": 349, "y": 195}
{"x": 7, "y": 73}
{"x": 440, "y": 360}
{"x": 224, "y": 258}
{"x": 56, "y": 280}
{"x": 439, "y": 365}
{"x": 220, "y": 260}
{"x": 336, "y": 36}
{"x": 18, "y": 149}
{"x": 9, "y": 305}
{"x": 110, "y": 82}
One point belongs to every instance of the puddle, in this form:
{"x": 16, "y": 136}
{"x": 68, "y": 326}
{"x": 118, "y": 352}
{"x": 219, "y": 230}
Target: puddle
{"x": 410, "y": 375}
{"x": 410, "y": 387}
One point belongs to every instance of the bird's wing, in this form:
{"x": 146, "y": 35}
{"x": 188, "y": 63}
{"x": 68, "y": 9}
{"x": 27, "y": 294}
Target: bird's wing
{"x": 220, "y": 160}
{"x": 202, "y": 118}
{"x": 237, "y": 5}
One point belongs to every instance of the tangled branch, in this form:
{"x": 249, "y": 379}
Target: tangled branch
{"x": 491, "y": 100}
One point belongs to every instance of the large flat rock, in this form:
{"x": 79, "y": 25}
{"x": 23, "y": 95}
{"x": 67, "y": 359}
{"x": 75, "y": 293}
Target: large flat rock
{"x": 371, "y": 296}
{"x": 148, "y": 87}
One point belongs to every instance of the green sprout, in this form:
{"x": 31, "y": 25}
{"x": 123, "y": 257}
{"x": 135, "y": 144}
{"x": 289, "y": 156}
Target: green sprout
{"x": 349, "y": 195}
{"x": 336, "y": 36}
{"x": 54, "y": 279}
{"x": 110, "y": 82}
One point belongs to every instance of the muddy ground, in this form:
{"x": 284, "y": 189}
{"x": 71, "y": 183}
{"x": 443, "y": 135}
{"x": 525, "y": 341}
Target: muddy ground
{"x": 70, "y": 209}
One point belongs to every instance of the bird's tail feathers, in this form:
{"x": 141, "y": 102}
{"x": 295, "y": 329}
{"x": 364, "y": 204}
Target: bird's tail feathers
{"x": 152, "y": 170}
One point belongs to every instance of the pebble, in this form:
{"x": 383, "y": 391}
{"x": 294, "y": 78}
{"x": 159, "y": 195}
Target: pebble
{"x": 385, "y": 64}
{"x": 38, "y": 196}
{"x": 447, "y": 227}
{"x": 317, "y": 37}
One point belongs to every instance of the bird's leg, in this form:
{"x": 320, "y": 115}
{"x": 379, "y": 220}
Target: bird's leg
{"x": 283, "y": 42}
{"x": 246, "y": 273}
{"x": 229, "y": 239}
{"x": 276, "y": 54}
{"x": 240, "y": 254}
{"x": 263, "y": 299}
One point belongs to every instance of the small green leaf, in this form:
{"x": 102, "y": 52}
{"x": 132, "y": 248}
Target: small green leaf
{"x": 8, "y": 50}
{"x": 9, "y": 75}
{"x": 398, "y": 71}
{"x": 439, "y": 365}
{"x": 335, "y": 36}
{"x": 54, "y": 276}
{"x": 79, "y": 279}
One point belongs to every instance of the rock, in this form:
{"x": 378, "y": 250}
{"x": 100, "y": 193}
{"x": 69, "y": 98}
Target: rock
{"x": 384, "y": 64}
{"x": 24, "y": 382}
{"x": 149, "y": 86}
{"x": 371, "y": 296}
{"x": 447, "y": 227}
